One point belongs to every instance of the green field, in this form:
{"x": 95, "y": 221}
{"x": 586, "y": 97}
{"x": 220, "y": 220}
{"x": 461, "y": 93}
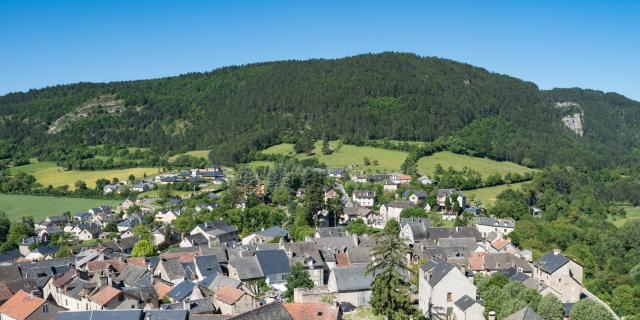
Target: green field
{"x": 633, "y": 213}
{"x": 255, "y": 164}
{"x": 40, "y": 207}
{"x": 488, "y": 195}
{"x": 485, "y": 166}
{"x": 48, "y": 173}
{"x": 388, "y": 160}
{"x": 195, "y": 153}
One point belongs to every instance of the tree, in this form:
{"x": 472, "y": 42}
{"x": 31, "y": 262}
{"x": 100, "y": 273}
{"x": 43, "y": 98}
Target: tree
{"x": 326, "y": 148}
{"x": 184, "y": 223}
{"x": 110, "y": 227}
{"x": 144, "y": 248}
{"x": 63, "y": 252}
{"x": 100, "y": 183}
{"x": 80, "y": 185}
{"x": 281, "y": 196}
{"x": 390, "y": 289}
{"x": 143, "y": 232}
{"x": 17, "y": 232}
{"x": 413, "y": 213}
{"x": 298, "y": 277}
{"x": 366, "y": 161}
{"x": 587, "y": 309}
{"x": 5, "y": 223}
{"x": 550, "y": 308}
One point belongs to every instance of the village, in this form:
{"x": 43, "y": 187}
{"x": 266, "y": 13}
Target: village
{"x": 213, "y": 269}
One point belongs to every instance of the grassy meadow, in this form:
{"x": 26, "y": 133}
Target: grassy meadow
{"x": 485, "y": 166}
{"x": 633, "y": 213}
{"x": 195, "y": 153}
{"x": 488, "y": 195}
{"x": 40, "y": 207}
{"x": 345, "y": 154}
{"x": 48, "y": 173}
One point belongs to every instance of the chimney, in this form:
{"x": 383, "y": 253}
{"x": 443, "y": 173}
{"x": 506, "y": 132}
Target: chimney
{"x": 186, "y": 304}
{"x": 556, "y": 252}
{"x": 492, "y": 315}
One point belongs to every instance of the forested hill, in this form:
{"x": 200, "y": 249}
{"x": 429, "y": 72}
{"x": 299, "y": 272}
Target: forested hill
{"x": 236, "y": 110}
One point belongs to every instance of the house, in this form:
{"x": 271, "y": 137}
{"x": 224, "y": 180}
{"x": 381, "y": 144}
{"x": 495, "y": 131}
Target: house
{"x": 205, "y": 265}
{"x": 399, "y": 178}
{"x": 389, "y": 186}
{"x": 525, "y": 313}
{"x": 266, "y": 235}
{"x": 441, "y": 284}
{"x": 393, "y": 209}
{"x": 467, "y": 308}
{"x": 444, "y": 195}
{"x": 330, "y": 194}
{"x": 306, "y": 311}
{"x": 231, "y": 300}
{"x": 274, "y": 265}
{"x": 245, "y": 268}
{"x": 128, "y": 224}
{"x": 217, "y": 231}
{"x": 110, "y": 188}
{"x": 352, "y": 213}
{"x": 501, "y": 227}
{"x": 26, "y": 306}
{"x": 171, "y": 270}
{"x": 141, "y": 187}
{"x": 561, "y": 274}
{"x": 364, "y": 198}
{"x": 338, "y": 173}
{"x": 424, "y": 180}
{"x": 310, "y": 257}
{"x": 377, "y": 177}
{"x": 166, "y": 217}
{"x": 415, "y": 196}
{"x": 107, "y": 298}
{"x": 205, "y": 206}
{"x": 359, "y": 178}
{"x": 351, "y": 285}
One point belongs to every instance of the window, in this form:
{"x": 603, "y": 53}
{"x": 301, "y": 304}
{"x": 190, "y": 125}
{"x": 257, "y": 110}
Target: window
{"x": 449, "y": 296}
{"x": 45, "y": 308}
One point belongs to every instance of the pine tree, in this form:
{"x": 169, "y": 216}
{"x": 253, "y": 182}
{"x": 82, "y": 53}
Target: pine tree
{"x": 390, "y": 288}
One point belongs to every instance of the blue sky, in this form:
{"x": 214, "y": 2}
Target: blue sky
{"x": 552, "y": 43}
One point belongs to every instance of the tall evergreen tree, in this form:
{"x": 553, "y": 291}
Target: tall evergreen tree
{"x": 390, "y": 287}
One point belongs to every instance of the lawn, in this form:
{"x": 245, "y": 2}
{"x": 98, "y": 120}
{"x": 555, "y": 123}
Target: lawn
{"x": 485, "y": 166}
{"x": 48, "y": 173}
{"x": 488, "y": 195}
{"x": 345, "y": 154}
{"x": 195, "y": 153}
{"x": 633, "y": 213}
{"x": 40, "y": 207}
{"x": 255, "y": 164}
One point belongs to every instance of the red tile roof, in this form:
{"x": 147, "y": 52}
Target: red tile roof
{"x": 21, "y": 305}
{"x": 476, "y": 261}
{"x": 162, "y": 289}
{"x": 105, "y": 295}
{"x": 500, "y": 243}
{"x": 342, "y": 260}
{"x": 138, "y": 261}
{"x": 183, "y": 256}
{"x": 311, "y": 311}
{"x": 229, "y": 295}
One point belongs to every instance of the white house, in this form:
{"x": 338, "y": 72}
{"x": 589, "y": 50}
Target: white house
{"x": 364, "y": 198}
{"x": 501, "y": 227}
{"x": 441, "y": 284}
{"x": 561, "y": 274}
{"x": 393, "y": 209}
{"x": 166, "y": 217}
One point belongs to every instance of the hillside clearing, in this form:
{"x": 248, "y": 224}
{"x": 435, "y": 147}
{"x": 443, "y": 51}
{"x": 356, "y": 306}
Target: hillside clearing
{"x": 346, "y": 154}
{"x": 633, "y": 214}
{"x": 195, "y": 153}
{"x": 488, "y": 195}
{"x": 40, "y": 207}
{"x": 48, "y": 173}
{"x": 485, "y": 166}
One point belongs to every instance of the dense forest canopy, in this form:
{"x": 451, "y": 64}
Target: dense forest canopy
{"x": 238, "y": 110}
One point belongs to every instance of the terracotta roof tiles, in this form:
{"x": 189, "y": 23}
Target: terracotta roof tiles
{"x": 21, "y": 305}
{"x": 229, "y": 295}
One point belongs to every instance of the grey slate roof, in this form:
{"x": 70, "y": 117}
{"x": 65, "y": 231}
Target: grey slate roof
{"x": 174, "y": 269}
{"x": 216, "y": 280}
{"x": 9, "y": 273}
{"x": 132, "y": 314}
{"x": 271, "y": 311}
{"x": 181, "y": 291}
{"x": 273, "y": 261}
{"x": 359, "y": 255}
{"x": 353, "y": 278}
{"x": 275, "y": 231}
{"x": 437, "y": 269}
{"x": 465, "y": 302}
{"x": 400, "y": 204}
{"x": 504, "y": 260}
{"x": 219, "y": 252}
{"x": 551, "y": 262}
{"x": 166, "y": 314}
{"x": 207, "y": 264}
{"x": 493, "y": 222}
{"x": 423, "y": 221}
{"x": 525, "y": 313}
{"x": 247, "y": 267}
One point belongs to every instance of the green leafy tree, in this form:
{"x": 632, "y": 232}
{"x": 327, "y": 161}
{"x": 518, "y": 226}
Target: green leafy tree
{"x": 110, "y": 227}
{"x": 390, "y": 288}
{"x": 80, "y": 185}
{"x": 413, "y": 213}
{"x": 63, "y": 252}
{"x": 281, "y": 196}
{"x": 326, "y": 148}
{"x": 143, "y": 231}
{"x": 5, "y": 224}
{"x": 144, "y": 248}
{"x": 587, "y": 309}
{"x": 184, "y": 223}
{"x": 298, "y": 277}
{"x": 17, "y": 232}
{"x": 550, "y": 308}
